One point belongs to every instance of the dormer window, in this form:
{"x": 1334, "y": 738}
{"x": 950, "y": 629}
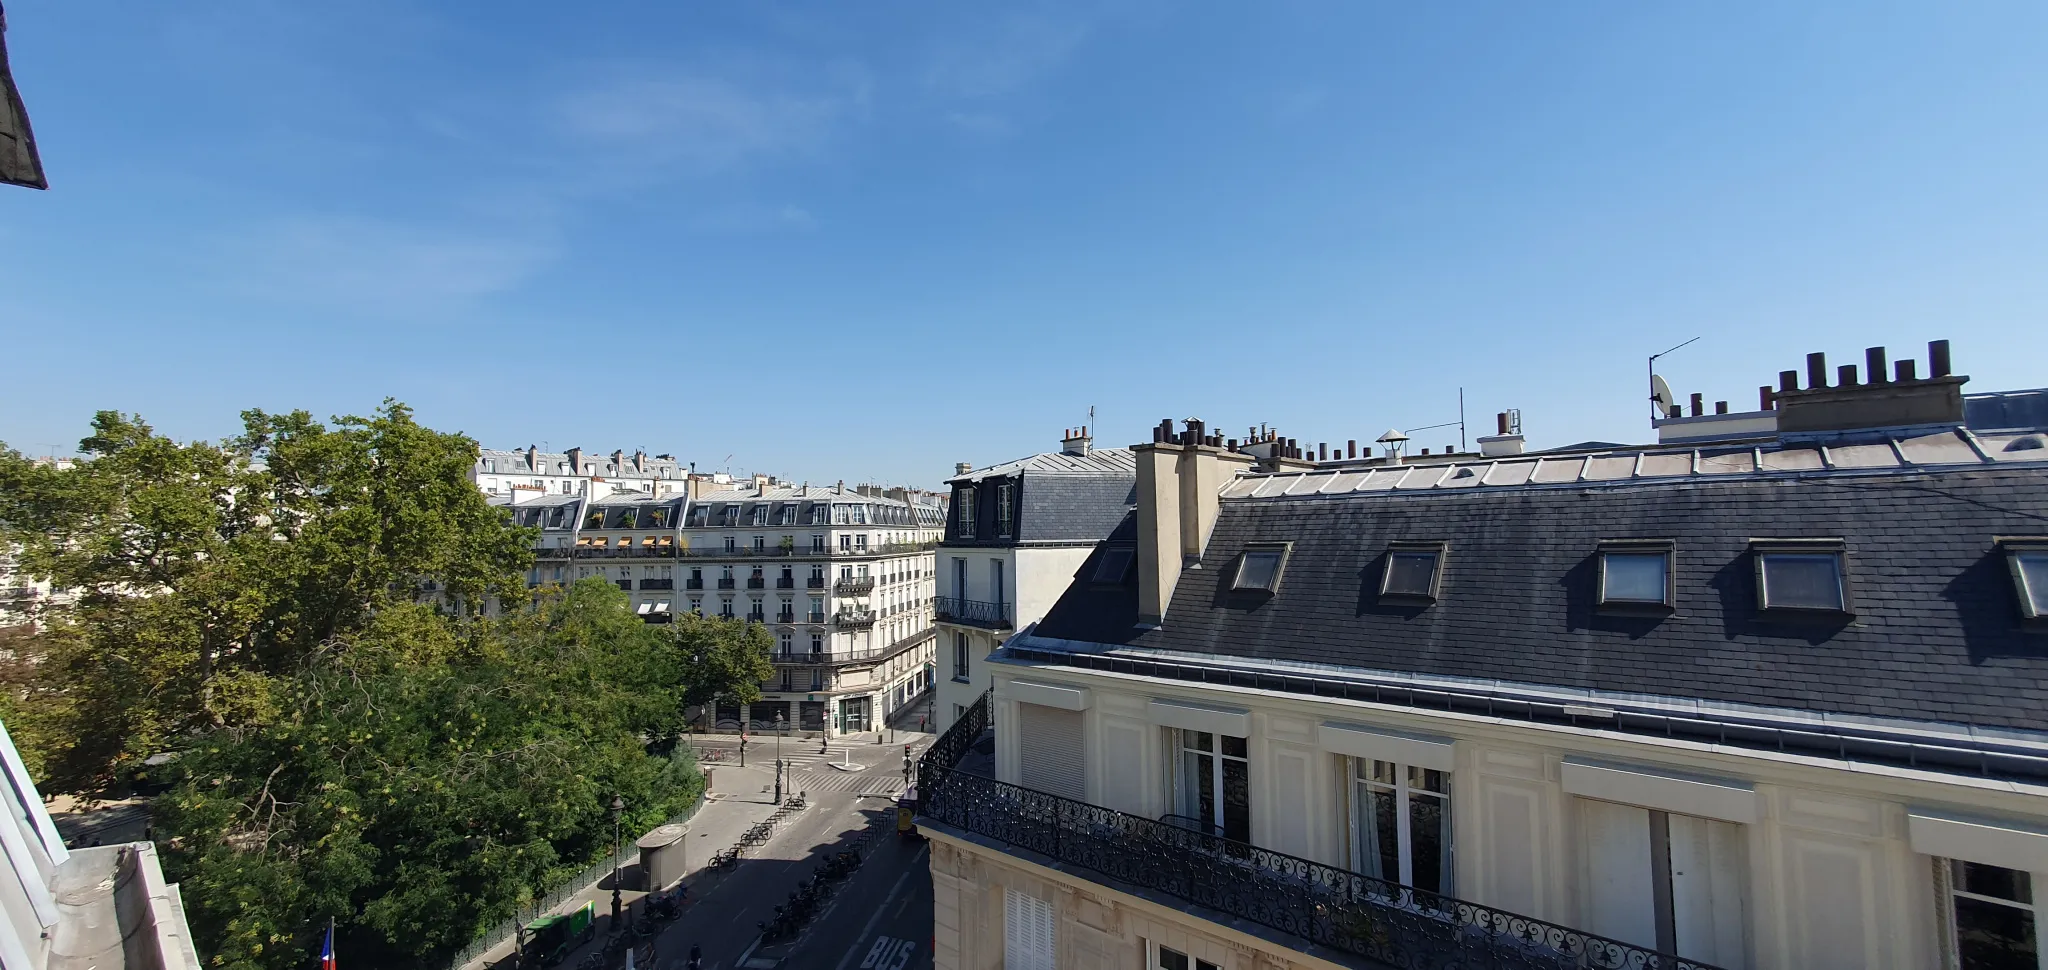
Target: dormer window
{"x": 1637, "y": 574}
{"x": 1258, "y": 569}
{"x": 1800, "y": 575}
{"x": 1005, "y": 510}
{"x": 964, "y": 500}
{"x": 2028, "y": 560}
{"x": 1414, "y": 571}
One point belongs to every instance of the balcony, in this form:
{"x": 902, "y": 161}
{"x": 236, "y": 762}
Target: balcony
{"x": 694, "y": 582}
{"x": 1322, "y": 906}
{"x": 953, "y": 609}
{"x": 857, "y": 586}
{"x": 786, "y": 616}
{"x": 815, "y": 582}
{"x": 816, "y": 616}
{"x": 757, "y": 617}
{"x": 554, "y": 552}
{"x": 854, "y": 619}
{"x": 757, "y": 582}
{"x": 727, "y": 583}
{"x": 785, "y": 582}
{"x": 657, "y": 584}
{"x": 624, "y": 552}
{"x": 624, "y": 584}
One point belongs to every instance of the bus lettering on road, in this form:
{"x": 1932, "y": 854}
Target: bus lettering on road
{"x": 889, "y": 953}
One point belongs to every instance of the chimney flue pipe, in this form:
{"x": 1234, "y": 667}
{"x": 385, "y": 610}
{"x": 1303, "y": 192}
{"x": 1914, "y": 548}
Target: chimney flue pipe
{"x": 1937, "y": 358}
{"x": 1788, "y": 380}
{"x": 1720, "y": 407}
{"x": 1500, "y": 423}
{"x": 1903, "y": 371}
{"x": 1845, "y": 375}
{"x": 1351, "y": 448}
{"x": 1763, "y": 398}
{"x": 1699, "y": 405}
{"x": 1816, "y": 371}
{"x": 1873, "y": 364}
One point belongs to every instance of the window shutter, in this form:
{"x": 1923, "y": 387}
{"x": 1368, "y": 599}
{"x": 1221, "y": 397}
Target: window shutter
{"x": 1050, "y": 749}
{"x": 1027, "y": 932}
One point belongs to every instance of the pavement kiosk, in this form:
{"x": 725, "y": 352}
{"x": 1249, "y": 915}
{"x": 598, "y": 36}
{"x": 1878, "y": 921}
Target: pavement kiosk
{"x": 662, "y": 856}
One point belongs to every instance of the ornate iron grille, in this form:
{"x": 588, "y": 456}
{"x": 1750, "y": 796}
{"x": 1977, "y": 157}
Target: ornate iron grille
{"x": 1385, "y": 921}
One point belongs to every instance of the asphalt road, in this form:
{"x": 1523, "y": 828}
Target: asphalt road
{"x": 889, "y": 897}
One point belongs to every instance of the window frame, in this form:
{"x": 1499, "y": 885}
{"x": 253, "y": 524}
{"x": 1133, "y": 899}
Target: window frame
{"x": 1130, "y": 556}
{"x": 1636, "y": 547}
{"x": 2013, "y": 548}
{"x": 1272, "y": 586}
{"x": 1436, "y": 576}
{"x": 1761, "y": 549}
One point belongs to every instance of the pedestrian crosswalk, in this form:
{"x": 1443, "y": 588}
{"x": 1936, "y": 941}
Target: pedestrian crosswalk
{"x": 860, "y": 783}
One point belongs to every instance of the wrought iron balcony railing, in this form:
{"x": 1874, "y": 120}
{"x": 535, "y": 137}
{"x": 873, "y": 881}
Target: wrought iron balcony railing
{"x": 952, "y": 609}
{"x": 854, "y": 619}
{"x": 1397, "y": 925}
{"x": 857, "y": 586}
{"x": 815, "y": 582}
{"x": 694, "y": 583}
{"x": 657, "y": 584}
{"x": 725, "y": 584}
{"x": 785, "y": 582}
{"x": 757, "y": 582}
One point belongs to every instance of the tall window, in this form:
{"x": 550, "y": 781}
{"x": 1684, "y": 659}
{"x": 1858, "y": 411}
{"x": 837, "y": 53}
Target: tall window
{"x": 965, "y": 502}
{"x": 1994, "y": 920}
{"x": 1213, "y": 784}
{"x": 784, "y": 643}
{"x": 1401, "y": 824}
{"x": 995, "y": 575}
{"x": 1005, "y": 510}
{"x": 959, "y": 656}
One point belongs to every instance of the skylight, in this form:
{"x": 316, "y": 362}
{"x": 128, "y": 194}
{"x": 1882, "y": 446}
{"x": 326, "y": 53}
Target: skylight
{"x": 1801, "y": 575}
{"x": 1413, "y": 570}
{"x": 2028, "y": 559}
{"x": 1636, "y": 573}
{"x": 1115, "y": 562}
{"x": 1259, "y": 569}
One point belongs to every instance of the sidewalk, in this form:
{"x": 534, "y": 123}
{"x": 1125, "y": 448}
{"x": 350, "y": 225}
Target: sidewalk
{"x": 733, "y": 804}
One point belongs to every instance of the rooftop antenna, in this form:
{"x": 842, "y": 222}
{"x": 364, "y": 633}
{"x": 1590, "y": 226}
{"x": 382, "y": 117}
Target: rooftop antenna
{"x": 1657, "y": 385}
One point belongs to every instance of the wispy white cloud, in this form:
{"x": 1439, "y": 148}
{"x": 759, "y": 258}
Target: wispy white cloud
{"x": 1003, "y": 55}
{"x": 382, "y": 268}
{"x": 696, "y": 123}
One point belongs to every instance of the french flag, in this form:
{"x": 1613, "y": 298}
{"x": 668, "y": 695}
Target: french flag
{"x": 327, "y": 949}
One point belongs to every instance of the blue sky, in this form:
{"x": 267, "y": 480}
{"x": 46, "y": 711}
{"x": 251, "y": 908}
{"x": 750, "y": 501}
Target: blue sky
{"x": 865, "y": 241}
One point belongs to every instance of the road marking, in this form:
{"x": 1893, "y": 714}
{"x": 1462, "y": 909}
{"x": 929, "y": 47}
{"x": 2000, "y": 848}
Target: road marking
{"x": 886, "y": 900}
{"x": 889, "y": 953}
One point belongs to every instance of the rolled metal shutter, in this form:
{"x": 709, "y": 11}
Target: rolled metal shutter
{"x": 1049, "y": 745}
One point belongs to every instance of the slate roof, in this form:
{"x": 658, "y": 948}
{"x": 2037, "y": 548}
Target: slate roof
{"x": 1935, "y": 636}
{"x": 1061, "y": 499}
{"x": 1109, "y": 461}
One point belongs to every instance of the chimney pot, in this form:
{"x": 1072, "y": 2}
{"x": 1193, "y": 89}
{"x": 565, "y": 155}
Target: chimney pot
{"x": 1937, "y": 358}
{"x": 1677, "y": 411}
{"x": 1233, "y": 444}
{"x": 1873, "y": 364}
{"x": 1500, "y": 423}
{"x": 1720, "y": 407}
{"x": 1788, "y": 380}
{"x": 1903, "y": 371}
{"x": 1845, "y": 375}
{"x": 1425, "y": 451}
{"x": 1351, "y": 448}
{"x": 1698, "y": 405}
{"x": 1322, "y": 451}
{"x": 1816, "y": 371}
{"x": 1763, "y": 398}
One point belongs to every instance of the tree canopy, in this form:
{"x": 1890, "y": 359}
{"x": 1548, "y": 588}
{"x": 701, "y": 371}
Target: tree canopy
{"x": 369, "y": 716}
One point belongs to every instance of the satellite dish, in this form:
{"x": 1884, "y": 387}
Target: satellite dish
{"x": 1660, "y": 395}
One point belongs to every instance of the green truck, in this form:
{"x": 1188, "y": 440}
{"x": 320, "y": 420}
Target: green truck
{"x": 550, "y": 939}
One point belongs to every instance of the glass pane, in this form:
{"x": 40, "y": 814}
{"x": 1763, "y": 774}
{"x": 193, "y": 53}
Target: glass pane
{"x": 1233, "y": 747}
{"x": 2034, "y": 576}
{"x": 1425, "y": 779}
{"x": 1993, "y": 936}
{"x": 1237, "y": 801}
{"x": 1634, "y": 578}
{"x": 1429, "y": 837}
{"x": 1258, "y": 569}
{"x": 1802, "y": 581}
{"x": 1983, "y": 880}
{"x": 1411, "y": 573}
{"x": 1170, "y": 960}
{"x": 1198, "y": 740}
{"x": 1379, "y": 850}
{"x": 1384, "y": 772}
{"x": 1198, "y": 788}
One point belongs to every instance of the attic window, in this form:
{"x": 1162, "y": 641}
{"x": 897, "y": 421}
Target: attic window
{"x": 1115, "y": 562}
{"x": 1637, "y": 574}
{"x": 1800, "y": 575}
{"x": 1414, "y": 571}
{"x": 1258, "y": 569}
{"x": 2028, "y": 560}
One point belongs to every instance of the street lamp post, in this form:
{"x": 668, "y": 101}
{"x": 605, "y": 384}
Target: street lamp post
{"x": 778, "y": 757}
{"x": 618, "y": 901}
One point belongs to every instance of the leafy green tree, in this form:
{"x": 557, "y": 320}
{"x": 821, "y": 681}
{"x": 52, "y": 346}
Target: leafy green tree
{"x": 722, "y": 658}
{"x": 207, "y": 568}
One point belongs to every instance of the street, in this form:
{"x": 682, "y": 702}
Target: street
{"x": 880, "y": 917}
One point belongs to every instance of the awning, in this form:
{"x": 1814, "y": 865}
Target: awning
{"x": 646, "y": 607}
